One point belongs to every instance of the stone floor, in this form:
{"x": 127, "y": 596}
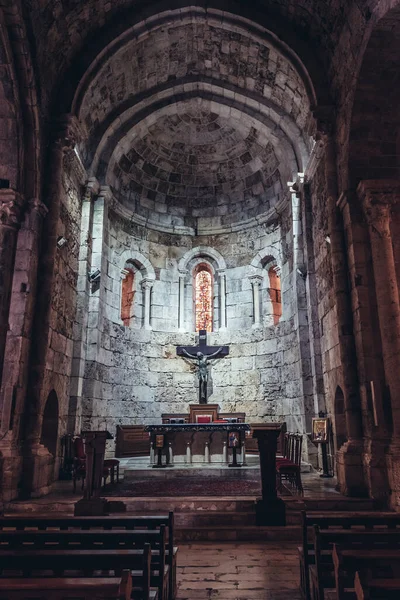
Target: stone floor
{"x": 243, "y": 571}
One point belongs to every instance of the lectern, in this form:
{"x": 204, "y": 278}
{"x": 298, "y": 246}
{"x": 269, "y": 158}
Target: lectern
{"x": 270, "y": 510}
{"x": 95, "y": 447}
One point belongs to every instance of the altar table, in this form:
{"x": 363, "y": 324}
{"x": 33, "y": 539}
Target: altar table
{"x": 196, "y": 443}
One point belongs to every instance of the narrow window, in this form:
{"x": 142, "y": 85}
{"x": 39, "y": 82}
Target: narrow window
{"x": 127, "y": 296}
{"x": 203, "y": 286}
{"x": 275, "y": 294}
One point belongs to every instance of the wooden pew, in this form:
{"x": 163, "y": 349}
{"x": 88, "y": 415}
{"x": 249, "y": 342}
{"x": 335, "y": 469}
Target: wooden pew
{"x": 337, "y": 520}
{"x": 376, "y": 589}
{"x": 322, "y": 575}
{"x": 55, "y": 563}
{"x": 125, "y": 522}
{"x": 95, "y": 541}
{"x": 113, "y": 588}
{"x": 376, "y": 563}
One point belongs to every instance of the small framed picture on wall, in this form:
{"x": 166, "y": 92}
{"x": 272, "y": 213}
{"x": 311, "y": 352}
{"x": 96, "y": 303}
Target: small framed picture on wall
{"x": 320, "y": 430}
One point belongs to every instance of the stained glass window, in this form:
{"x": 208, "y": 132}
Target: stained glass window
{"x": 127, "y": 297}
{"x": 204, "y": 300}
{"x": 275, "y": 294}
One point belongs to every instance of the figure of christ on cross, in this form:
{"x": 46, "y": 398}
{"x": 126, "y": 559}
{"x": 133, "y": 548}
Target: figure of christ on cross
{"x": 202, "y": 354}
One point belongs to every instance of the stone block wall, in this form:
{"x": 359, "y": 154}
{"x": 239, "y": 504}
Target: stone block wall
{"x": 137, "y": 376}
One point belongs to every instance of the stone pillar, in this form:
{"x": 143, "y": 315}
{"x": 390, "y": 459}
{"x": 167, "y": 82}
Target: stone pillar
{"x": 376, "y": 426}
{"x": 36, "y": 470}
{"x": 182, "y": 277}
{"x": 222, "y": 295}
{"x": 10, "y": 215}
{"x": 147, "y": 285}
{"x": 256, "y": 281}
{"x": 378, "y": 198}
{"x": 349, "y": 459}
{"x": 16, "y": 361}
{"x": 82, "y": 310}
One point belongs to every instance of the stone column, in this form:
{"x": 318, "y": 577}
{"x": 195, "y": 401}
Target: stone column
{"x": 181, "y": 300}
{"x": 67, "y": 134}
{"x": 378, "y": 197}
{"x": 256, "y": 281}
{"x": 222, "y": 296}
{"x": 147, "y": 285}
{"x": 82, "y": 310}
{"x": 10, "y": 215}
{"x": 349, "y": 459}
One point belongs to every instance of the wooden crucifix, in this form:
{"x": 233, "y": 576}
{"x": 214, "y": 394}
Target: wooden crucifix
{"x": 202, "y": 354}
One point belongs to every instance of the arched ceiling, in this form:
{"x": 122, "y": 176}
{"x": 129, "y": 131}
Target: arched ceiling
{"x": 196, "y": 122}
{"x": 187, "y": 166}
{"x": 62, "y": 29}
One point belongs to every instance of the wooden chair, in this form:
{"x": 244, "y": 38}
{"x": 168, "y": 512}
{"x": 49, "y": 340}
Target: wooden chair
{"x": 125, "y": 523}
{"x": 93, "y": 588}
{"x": 79, "y": 464}
{"x": 376, "y": 589}
{"x": 364, "y": 520}
{"x": 288, "y": 467}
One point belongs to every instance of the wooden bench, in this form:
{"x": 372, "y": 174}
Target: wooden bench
{"x": 322, "y": 575}
{"x": 376, "y": 589}
{"x": 128, "y": 523}
{"x": 55, "y": 563}
{"x": 115, "y": 588}
{"x": 375, "y": 564}
{"x": 95, "y": 541}
{"x": 337, "y": 520}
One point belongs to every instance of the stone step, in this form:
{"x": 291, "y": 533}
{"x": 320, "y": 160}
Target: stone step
{"x": 246, "y": 533}
{"x": 214, "y": 519}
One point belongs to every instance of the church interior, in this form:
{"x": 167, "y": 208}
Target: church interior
{"x": 199, "y": 299}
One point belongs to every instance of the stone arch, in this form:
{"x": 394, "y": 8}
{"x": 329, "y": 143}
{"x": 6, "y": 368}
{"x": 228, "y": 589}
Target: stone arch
{"x": 50, "y": 422}
{"x": 340, "y": 418}
{"x": 265, "y": 274}
{"x": 101, "y": 41}
{"x": 202, "y": 252}
{"x": 374, "y": 142}
{"x": 140, "y": 262}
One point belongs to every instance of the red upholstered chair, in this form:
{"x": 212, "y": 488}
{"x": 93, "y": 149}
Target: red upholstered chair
{"x": 288, "y": 467}
{"x": 203, "y": 419}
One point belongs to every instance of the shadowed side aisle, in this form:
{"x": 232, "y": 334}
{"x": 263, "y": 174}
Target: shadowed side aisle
{"x": 248, "y": 571}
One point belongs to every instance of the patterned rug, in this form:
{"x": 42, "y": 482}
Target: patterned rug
{"x": 187, "y": 486}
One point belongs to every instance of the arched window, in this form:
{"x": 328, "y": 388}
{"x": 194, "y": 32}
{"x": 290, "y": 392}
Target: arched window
{"x": 275, "y": 294}
{"x": 127, "y": 297}
{"x": 203, "y": 297}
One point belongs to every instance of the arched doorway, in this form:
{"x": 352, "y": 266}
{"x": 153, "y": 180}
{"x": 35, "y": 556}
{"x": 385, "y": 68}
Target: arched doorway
{"x": 49, "y": 436}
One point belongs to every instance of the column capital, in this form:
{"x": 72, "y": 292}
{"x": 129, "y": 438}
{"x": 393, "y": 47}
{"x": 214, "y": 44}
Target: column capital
{"x": 38, "y": 207}
{"x": 105, "y": 192}
{"x": 11, "y": 203}
{"x": 92, "y": 188}
{"x": 221, "y": 272}
{"x": 68, "y": 131}
{"x": 377, "y": 198}
{"x": 124, "y": 273}
{"x": 379, "y": 191}
{"x": 324, "y": 121}
{"x": 147, "y": 284}
{"x": 256, "y": 279}
{"x": 182, "y": 273}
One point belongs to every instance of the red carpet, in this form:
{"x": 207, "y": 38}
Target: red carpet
{"x": 187, "y": 486}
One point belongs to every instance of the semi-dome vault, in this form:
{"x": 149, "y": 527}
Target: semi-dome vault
{"x": 197, "y": 121}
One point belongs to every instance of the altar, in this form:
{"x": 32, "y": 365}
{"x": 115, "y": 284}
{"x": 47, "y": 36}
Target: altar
{"x": 200, "y": 443}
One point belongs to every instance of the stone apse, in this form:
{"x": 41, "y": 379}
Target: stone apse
{"x": 190, "y": 140}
